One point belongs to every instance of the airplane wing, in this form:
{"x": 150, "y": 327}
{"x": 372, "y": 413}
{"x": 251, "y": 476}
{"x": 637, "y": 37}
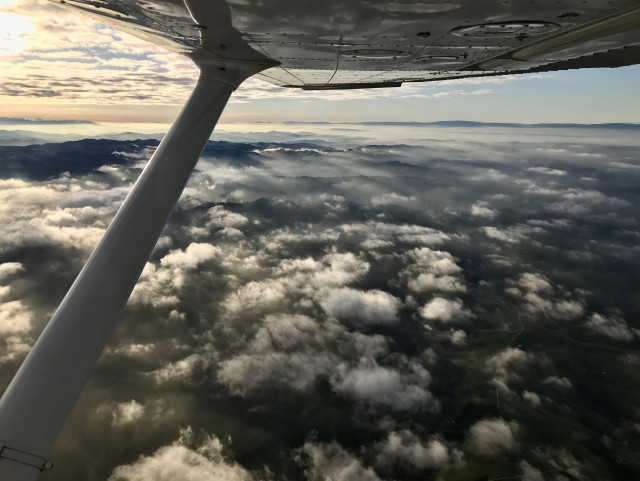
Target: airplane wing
{"x": 337, "y": 44}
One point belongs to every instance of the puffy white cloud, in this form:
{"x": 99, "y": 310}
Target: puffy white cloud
{"x": 444, "y": 310}
{"x": 437, "y": 262}
{"x": 231, "y": 232}
{"x": 37, "y": 231}
{"x": 136, "y": 350}
{"x": 339, "y": 269}
{"x": 291, "y": 279}
{"x": 248, "y": 373}
{"x": 292, "y": 351}
{"x": 15, "y": 347}
{"x": 503, "y": 235}
{"x": 184, "y": 460}
{"x": 184, "y": 369}
{"x": 498, "y": 234}
{"x": 458, "y": 337}
{"x": 122, "y": 414}
{"x": 513, "y": 234}
{"x": 15, "y": 318}
{"x": 563, "y": 309}
{"x": 500, "y": 362}
{"x": 409, "y": 233}
{"x": 370, "y": 307}
{"x": 4, "y": 291}
{"x": 194, "y": 255}
{"x": 542, "y": 299}
{"x": 532, "y": 398}
{"x": 426, "y": 282}
{"x": 279, "y": 239}
{"x": 255, "y": 297}
{"x": 292, "y": 331}
{"x": 547, "y": 171}
{"x": 579, "y": 202}
{"x": 493, "y": 437}
{"x": 534, "y": 282}
{"x": 281, "y": 353}
{"x": 403, "y": 388}
{"x": 30, "y": 220}
{"x": 219, "y": 217}
{"x": 504, "y": 365}
{"x": 613, "y": 327}
{"x": 305, "y": 265}
{"x": 332, "y": 462}
{"x": 482, "y": 209}
{"x": 160, "y": 285}
{"x": 373, "y": 244}
{"x": 157, "y": 287}
{"x": 407, "y": 447}
{"x": 561, "y": 382}
{"x": 332, "y": 270}
{"x": 392, "y": 198}
{"x": 176, "y": 315}
{"x": 431, "y": 270}
{"x": 8, "y": 269}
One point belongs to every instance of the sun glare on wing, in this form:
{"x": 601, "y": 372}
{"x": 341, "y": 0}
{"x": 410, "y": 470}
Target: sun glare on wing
{"x": 14, "y": 32}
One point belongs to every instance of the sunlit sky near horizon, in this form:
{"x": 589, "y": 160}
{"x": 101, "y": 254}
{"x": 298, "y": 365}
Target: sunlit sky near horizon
{"x": 57, "y": 64}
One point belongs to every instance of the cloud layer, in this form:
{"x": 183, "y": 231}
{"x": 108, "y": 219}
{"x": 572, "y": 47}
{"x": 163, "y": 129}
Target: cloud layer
{"x": 346, "y": 309}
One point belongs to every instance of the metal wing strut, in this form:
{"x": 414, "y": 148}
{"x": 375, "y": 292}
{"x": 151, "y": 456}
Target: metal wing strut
{"x": 41, "y": 396}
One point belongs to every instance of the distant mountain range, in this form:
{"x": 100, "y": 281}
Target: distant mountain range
{"x": 40, "y": 162}
{"x": 20, "y": 121}
{"x": 468, "y": 123}
{"x": 45, "y": 161}
{"x": 443, "y": 123}
{"x": 29, "y": 134}
{"x": 31, "y": 137}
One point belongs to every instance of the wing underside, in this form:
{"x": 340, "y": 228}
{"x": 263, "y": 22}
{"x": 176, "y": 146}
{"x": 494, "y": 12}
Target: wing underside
{"x": 372, "y": 43}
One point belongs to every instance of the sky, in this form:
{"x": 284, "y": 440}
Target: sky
{"x": 58, "y": 64}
